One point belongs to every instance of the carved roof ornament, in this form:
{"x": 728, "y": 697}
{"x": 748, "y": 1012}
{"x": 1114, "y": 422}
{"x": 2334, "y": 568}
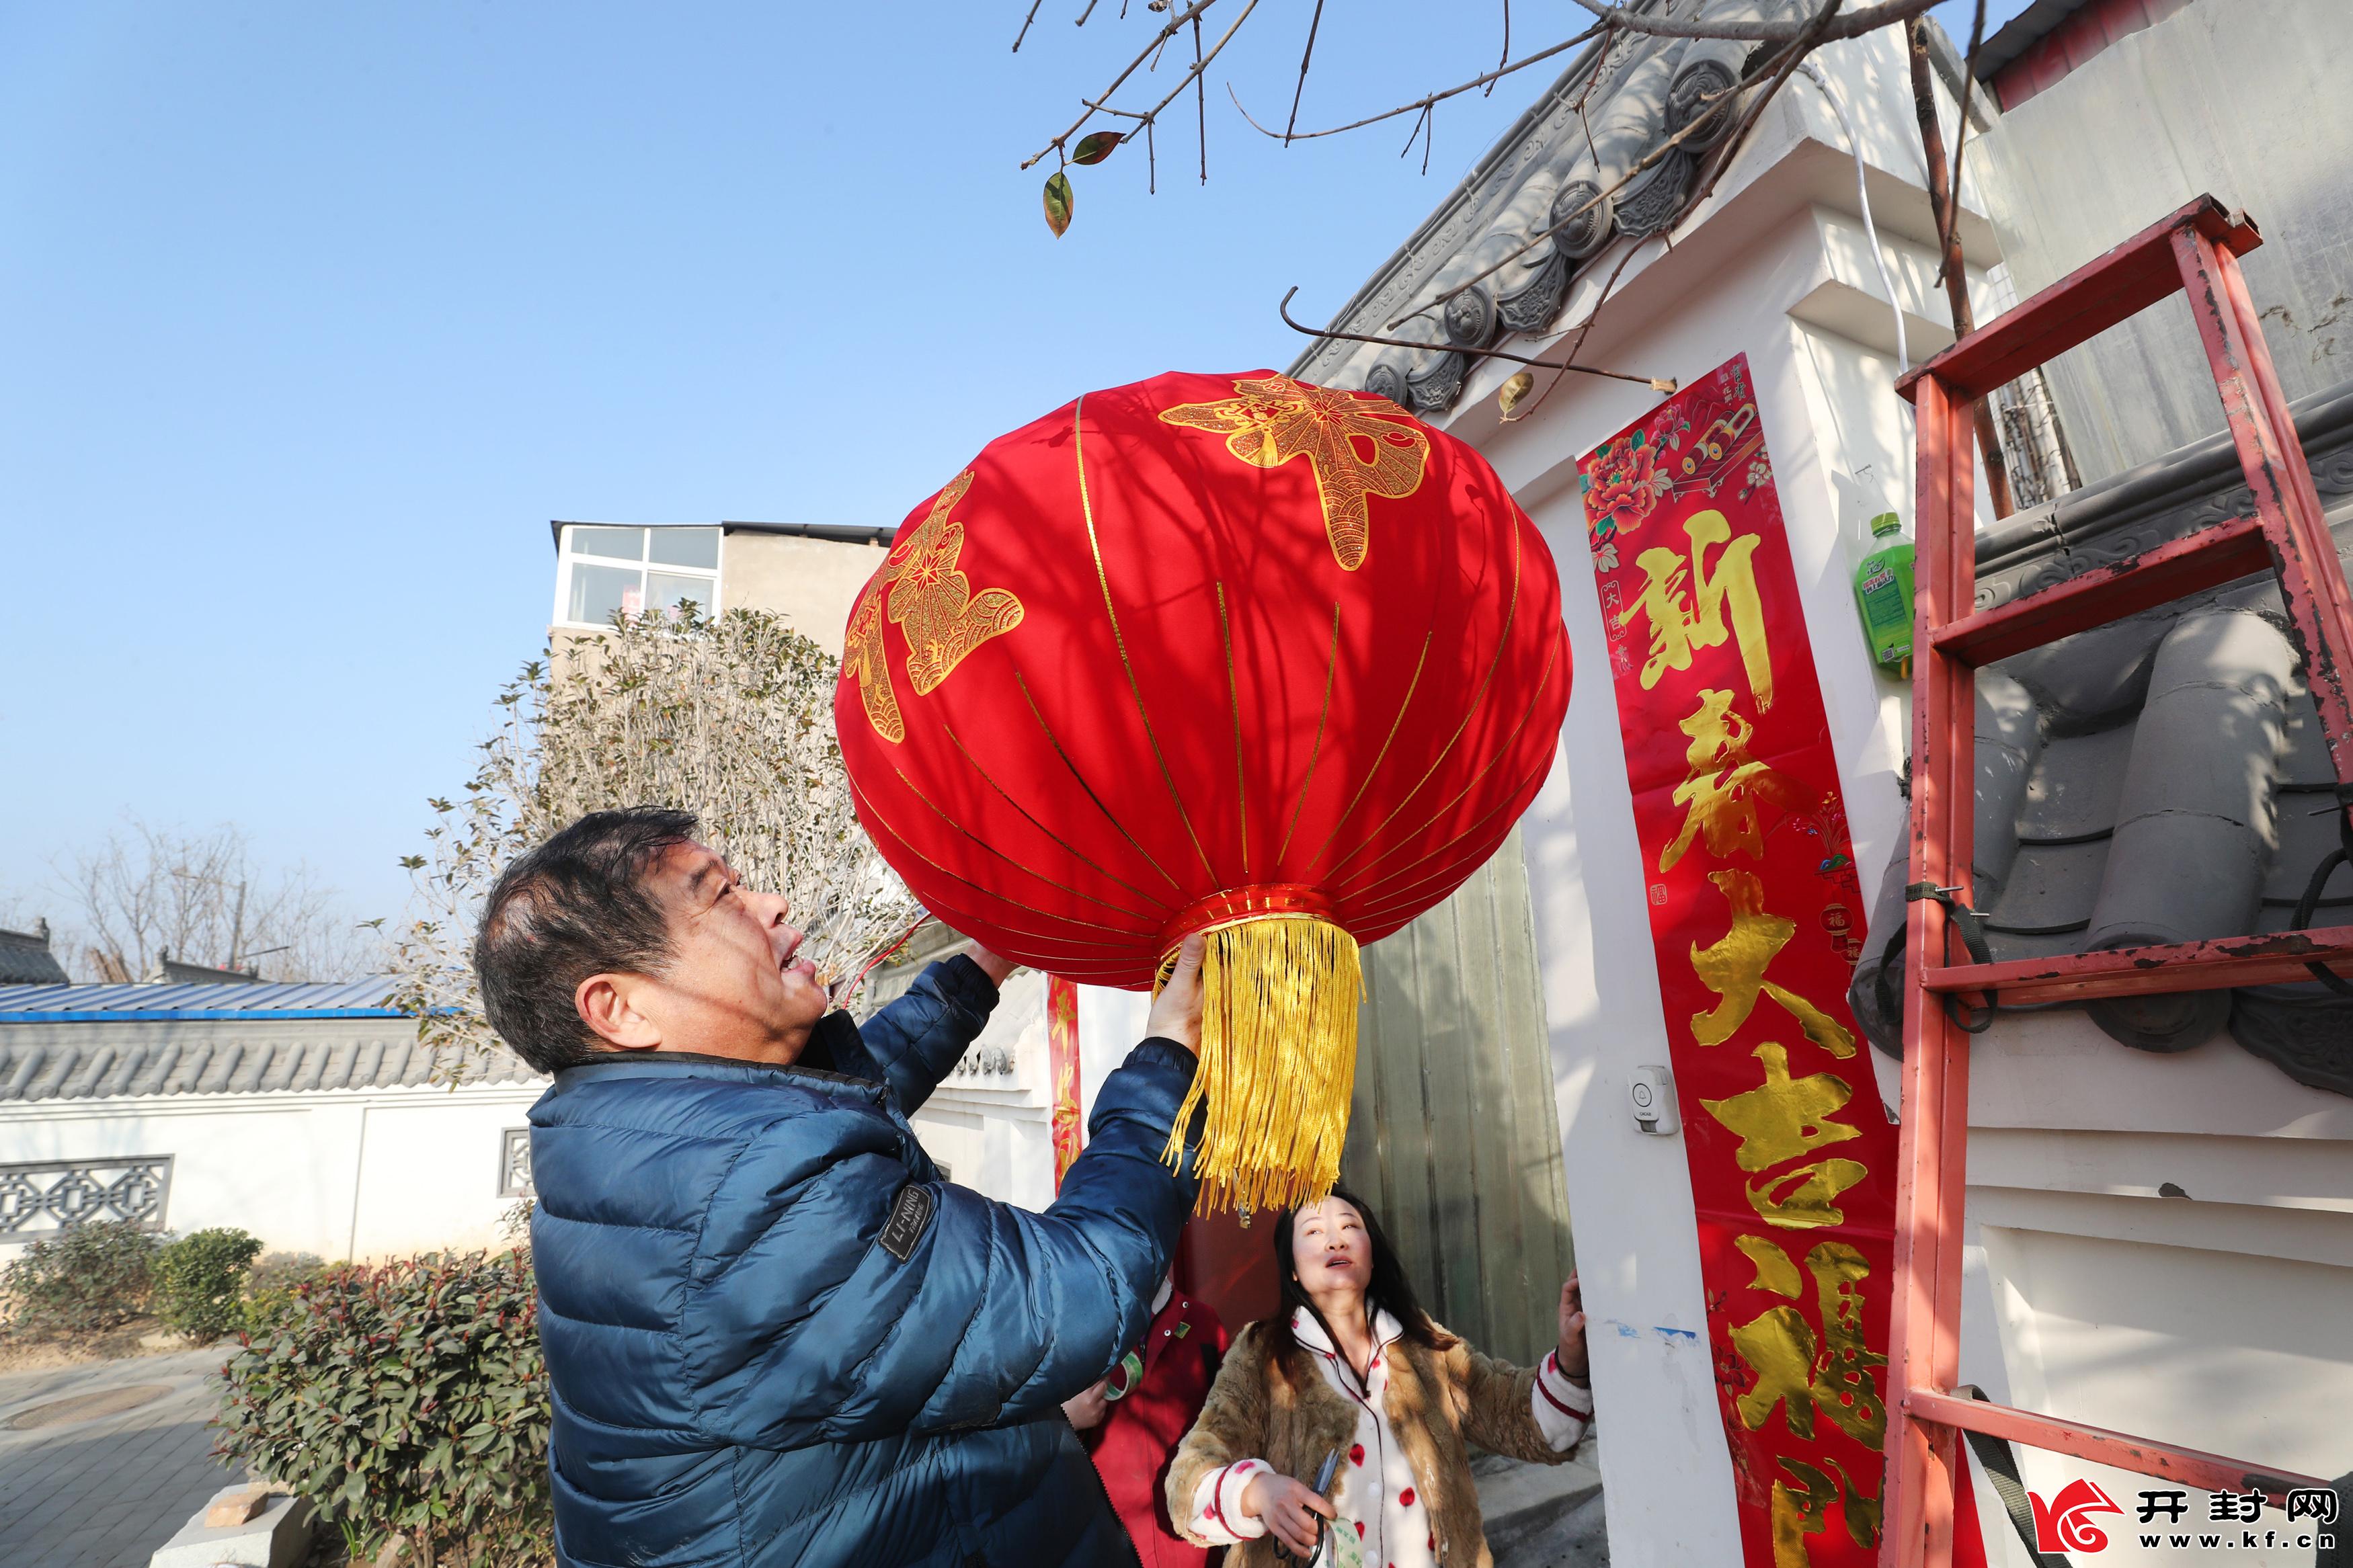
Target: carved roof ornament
{"x": 1568, "y": 178}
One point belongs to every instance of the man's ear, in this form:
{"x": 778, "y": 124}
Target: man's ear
{"x": 608, "y": 1003}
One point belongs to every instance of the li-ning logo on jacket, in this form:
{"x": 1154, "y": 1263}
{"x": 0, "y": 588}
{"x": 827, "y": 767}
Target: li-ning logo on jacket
{"x": 2064, "y": 1524}
{"x": 910, "y": 1217}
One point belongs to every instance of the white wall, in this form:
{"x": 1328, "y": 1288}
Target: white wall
{"x": 1779, "y": 273}
{"x": 994, "y": 1130}
{"x": 2217, "y": 1321}
{"x": 363, "y": 1173}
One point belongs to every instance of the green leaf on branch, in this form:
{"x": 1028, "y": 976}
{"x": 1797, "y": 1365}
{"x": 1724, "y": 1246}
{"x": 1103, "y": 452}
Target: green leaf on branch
{"x": 1058, "y": 202}
{"x": 1096, "y": 145}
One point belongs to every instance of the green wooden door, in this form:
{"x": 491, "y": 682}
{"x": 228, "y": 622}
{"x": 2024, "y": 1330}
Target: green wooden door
{"x": 1452, "y": 1133}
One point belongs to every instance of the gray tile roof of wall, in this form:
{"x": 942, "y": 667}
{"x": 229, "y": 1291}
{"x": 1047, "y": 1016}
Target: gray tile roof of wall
{"x": 221, "y": 1061}
{"x": 2162, "y": 779}
{"x": 63, "y": 1003}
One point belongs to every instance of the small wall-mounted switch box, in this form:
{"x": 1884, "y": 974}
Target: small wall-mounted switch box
{"x": 1653, "y": 1092}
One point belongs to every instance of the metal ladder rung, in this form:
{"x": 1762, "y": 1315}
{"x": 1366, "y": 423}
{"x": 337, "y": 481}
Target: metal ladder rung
{"x": 2113, "y": 288}
{"x": 2207, "y": 559}
{"x": 2271, "y": 959}
{"x": 2188, "y": 1466}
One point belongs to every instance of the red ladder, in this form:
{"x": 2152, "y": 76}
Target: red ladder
{"x": 2196, "y": 251}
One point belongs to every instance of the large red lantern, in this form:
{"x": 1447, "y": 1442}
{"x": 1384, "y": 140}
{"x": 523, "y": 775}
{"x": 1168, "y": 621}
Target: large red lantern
{"x": 1220, "y": 653}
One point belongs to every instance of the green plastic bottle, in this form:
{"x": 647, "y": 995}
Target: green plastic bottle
{"x": 1882, "y": 591}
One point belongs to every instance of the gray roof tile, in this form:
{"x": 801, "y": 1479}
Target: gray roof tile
{"x": 53, "y": 1071}
{"x": 2175, "y": 784}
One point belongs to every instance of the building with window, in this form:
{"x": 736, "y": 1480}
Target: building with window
{"x": 807, "y": 573}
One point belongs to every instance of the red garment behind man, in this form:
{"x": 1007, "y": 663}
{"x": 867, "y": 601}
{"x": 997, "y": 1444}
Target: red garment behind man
{"x": 1135, "y": 1436}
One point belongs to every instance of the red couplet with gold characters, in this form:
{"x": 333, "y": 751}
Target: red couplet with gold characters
{"x": 1229, "y": 654}
{"x": 1758, "y": 919}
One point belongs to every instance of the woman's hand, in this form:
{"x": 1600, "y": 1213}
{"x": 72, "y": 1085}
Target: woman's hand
{"x": 1289, "y": 1509}
{"x": 1085, "y": 1410}
{"x": 1575, "y": 1362}
{"x": 1176, "y": 1011}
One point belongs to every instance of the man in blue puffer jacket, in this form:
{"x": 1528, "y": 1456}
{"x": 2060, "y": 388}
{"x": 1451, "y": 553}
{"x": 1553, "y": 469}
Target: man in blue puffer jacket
{"x": 777, "y": 1335}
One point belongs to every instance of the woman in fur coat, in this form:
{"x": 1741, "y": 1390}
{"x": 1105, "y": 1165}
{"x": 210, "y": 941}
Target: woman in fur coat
{"x": 1352, "y": 1364}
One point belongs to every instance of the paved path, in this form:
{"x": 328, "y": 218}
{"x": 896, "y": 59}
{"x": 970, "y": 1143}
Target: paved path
{"x": 105, "y": 1493}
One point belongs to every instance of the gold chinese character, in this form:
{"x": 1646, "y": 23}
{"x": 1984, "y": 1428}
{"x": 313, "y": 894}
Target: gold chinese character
{"x": 1805, "y": 1373}
{"x": 1684, "y": 601}
{"x": 1798, "y": 1511}
{"x": 1810, "y": 1204}
{"x": 1733, "y": 968}
{"x": 1783, "y": 1118}
{"x": 1721, "y": 791}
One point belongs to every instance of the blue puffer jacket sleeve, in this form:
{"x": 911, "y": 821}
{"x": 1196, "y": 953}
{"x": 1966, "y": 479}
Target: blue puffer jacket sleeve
{"x": 801, "y": 1325}
{"x": 916, "y": 1040}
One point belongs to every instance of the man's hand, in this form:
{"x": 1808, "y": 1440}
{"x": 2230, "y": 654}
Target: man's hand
{"x": 997, "y": 967}
{"x": 1575, "y": 1364}
{"x": 1176, "y": 1011}
{"x": 1288, "y": 1507}
{"x": 1086, "y": 1410}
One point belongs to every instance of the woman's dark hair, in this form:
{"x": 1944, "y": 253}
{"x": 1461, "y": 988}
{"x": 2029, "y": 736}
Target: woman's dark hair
{"x": 1389, "y": 1291}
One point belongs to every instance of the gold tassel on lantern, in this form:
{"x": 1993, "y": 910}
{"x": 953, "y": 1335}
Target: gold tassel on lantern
{"x": 1279, "y": 997}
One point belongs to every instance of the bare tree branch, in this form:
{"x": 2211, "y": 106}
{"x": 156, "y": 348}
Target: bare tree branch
{"x": 1961, "y": 137}
{"x": 1201, "y": 93}
{"x": 1418, "y": 103}
{"x": 1159, "y": 40}
{"x": 1024, "y": 25}
{"x": 1854, "y": 25}
{"x": 1313, "y": 23}
{"x": 1505, "y": 58}
{"x": 1585, "y": 329}
{"x": 1655, "y": 383}
{"x": 1786, "y": 64}
{"x": 1648, "y": 161}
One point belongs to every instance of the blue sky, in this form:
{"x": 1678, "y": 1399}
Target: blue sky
{"x": 315, "y": 315}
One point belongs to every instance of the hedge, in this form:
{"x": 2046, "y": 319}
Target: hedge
{"x": 404, "y": 1399}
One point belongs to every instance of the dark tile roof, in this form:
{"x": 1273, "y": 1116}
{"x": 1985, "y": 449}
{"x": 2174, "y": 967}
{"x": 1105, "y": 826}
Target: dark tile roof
{"x": 1571, "y": 174}
{"x": 26, "y": 958}
{"x": 2163, "y": 779}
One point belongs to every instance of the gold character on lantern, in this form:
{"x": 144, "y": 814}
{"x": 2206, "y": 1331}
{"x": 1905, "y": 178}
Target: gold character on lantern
{"x": 1685, "y": 600}
{"x": 1806, "y": 1374}
{"x": 1733, "y": 968}
{"x": 926, "y": 595}
{"x": 1724, "y": 783}
{"x": 1355, "y": 450}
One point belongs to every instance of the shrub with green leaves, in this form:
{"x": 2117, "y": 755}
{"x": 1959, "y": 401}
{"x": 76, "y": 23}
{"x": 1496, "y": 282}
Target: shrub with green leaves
{"x": 80, "y": 1281}
{"x": 405, "y": 1399}
{"x": 200, "y": 1281}
{"x": 270, "y": 1283}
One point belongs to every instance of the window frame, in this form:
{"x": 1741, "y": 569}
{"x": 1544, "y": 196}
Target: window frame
{"x": 566, "y": 557}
